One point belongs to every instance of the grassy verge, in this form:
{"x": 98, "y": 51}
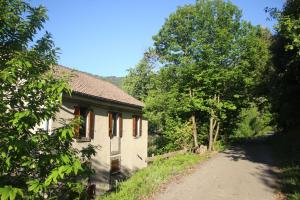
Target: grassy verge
{"x": 287, "y": 150}
{"x": 146, "y": 181}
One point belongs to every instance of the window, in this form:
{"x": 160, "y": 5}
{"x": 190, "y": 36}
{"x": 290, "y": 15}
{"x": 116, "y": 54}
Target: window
{"x": 46, "y": 125}
{"x": 86, "y": 129}
{"x": 114, "y": 166}
{"x": 83, "y": 116}
{"x": 137, "y": 126}
{"x": 115, "y": 124}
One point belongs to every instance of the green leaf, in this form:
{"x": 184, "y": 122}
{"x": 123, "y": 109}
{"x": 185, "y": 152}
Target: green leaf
{"x": 65, "y": 158}
{"x": 3, "y": 154}
{"x": 34, "y": 186}
{"x": 9, "y": 192}
{"x": 77, "y": 166}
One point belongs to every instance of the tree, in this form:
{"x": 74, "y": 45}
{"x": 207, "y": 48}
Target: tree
{"x": 285, "y": 74}
{"x": 211, "y": 62}
{"x": 35, "y": 164}
{"x": 138, "y": 81}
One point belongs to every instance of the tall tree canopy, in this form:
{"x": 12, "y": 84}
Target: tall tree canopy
{"x": 285, "y": 77}
{"x": 35, "y": 164}
{"x": 211, "y": 60}
{"x": 138, "y": 81}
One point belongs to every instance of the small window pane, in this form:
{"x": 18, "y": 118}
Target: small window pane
{"x": 115, "y": 124}
{"x": 137, "y": 126}
{"x": 83, "y": 116}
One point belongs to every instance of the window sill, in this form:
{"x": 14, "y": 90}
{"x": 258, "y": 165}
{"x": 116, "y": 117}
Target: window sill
{"x": 83, "y": 139}
{"x": 115, "y": 153}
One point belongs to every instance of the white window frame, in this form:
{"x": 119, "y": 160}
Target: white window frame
{"x": 47, "y": 125}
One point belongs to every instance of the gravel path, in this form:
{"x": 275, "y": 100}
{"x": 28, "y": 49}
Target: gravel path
{"x": 241, "y": 173}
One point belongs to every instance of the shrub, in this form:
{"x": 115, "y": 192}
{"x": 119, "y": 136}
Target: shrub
{"x": 253, "y": 122}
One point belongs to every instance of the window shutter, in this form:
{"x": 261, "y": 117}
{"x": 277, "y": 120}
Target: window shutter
{"x": 110, "y": 124}
{"x": 92, "y": 124}
{"x": 120, "y": 125}
{"x": 77, "y": 115}
{"x": 134, "y": 126}
{"x": 141, "y": 125}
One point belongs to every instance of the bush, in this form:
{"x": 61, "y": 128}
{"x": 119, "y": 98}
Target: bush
{"x": 177, "y": 135}
{"x": 253, "y": 122}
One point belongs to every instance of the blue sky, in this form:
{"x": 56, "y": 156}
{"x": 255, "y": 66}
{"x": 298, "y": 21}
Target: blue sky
{"x": 107, "y": 37}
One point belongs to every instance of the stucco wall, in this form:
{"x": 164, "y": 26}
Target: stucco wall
{"x": 133, "y": 150}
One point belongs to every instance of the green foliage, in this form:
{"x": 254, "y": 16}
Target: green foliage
{"x": 35, "y": 164}
{"x": 146, "y": 181}
{"x": 284, "y": 87}
{"x": 9, "y": 192}
{"x": 253, "y": 122}
{"x": 284, "y": 77}
{"x": 178, "y": 135}
{"x": 138, "y": 81}
{"x": 289, "y": 27}
{"x": 203, "y": 50}
{"x": 220, "y": 146}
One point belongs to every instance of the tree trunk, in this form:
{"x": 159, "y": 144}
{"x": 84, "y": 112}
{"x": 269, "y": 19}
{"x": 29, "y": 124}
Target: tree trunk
{"x": 193, "y": 118}
{"x": 218, "y": 125}
{"x": 211, "y": 130}
{"x": 212, "y": 124}
{"x": 217, "y": 132}
{"x": 194, "y": 130}
{"x": 215, "y": 136}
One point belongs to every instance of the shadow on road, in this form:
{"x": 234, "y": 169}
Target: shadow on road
{"x": 258, "y": 151}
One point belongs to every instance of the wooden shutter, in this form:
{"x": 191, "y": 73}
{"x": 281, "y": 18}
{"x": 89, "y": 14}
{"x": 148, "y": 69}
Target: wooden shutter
{"x": 92, "y": 124}
{"x": 120, "y": 125}
{"x": 110, "y": 124}
{"x": 134, "y": 120}
{"x": 77, "y": 127}
{"x": 141, "y": 125}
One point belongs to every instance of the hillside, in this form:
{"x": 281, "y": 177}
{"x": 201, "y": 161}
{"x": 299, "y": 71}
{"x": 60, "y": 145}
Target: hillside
{"x": 113, "y": 79}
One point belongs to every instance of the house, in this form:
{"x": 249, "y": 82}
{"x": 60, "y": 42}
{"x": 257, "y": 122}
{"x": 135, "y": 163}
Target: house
{"x": 112, "y": 119}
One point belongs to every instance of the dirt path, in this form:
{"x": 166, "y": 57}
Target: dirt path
{"x": 241, "y": 173}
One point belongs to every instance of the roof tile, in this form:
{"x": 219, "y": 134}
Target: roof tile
{"x": 90, "y": 85}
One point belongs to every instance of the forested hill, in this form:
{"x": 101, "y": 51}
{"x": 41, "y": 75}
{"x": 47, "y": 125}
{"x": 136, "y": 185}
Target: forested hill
{"x": 114, "y": 80}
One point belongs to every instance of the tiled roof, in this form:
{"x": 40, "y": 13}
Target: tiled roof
{"x": 89, "y": 85}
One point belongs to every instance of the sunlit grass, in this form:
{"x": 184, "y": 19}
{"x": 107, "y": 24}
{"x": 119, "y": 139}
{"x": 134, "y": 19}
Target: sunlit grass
{"x": 146, "y": 181}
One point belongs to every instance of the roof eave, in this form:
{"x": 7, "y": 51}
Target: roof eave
{"x": 108, "y": 100}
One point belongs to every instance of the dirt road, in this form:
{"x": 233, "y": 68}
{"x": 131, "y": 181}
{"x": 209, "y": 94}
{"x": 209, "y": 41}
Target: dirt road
{"x": 241, "y": 173}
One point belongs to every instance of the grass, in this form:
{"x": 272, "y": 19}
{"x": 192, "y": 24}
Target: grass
{"x": 287, "y": 150}
{"x": 146, "y": 181}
